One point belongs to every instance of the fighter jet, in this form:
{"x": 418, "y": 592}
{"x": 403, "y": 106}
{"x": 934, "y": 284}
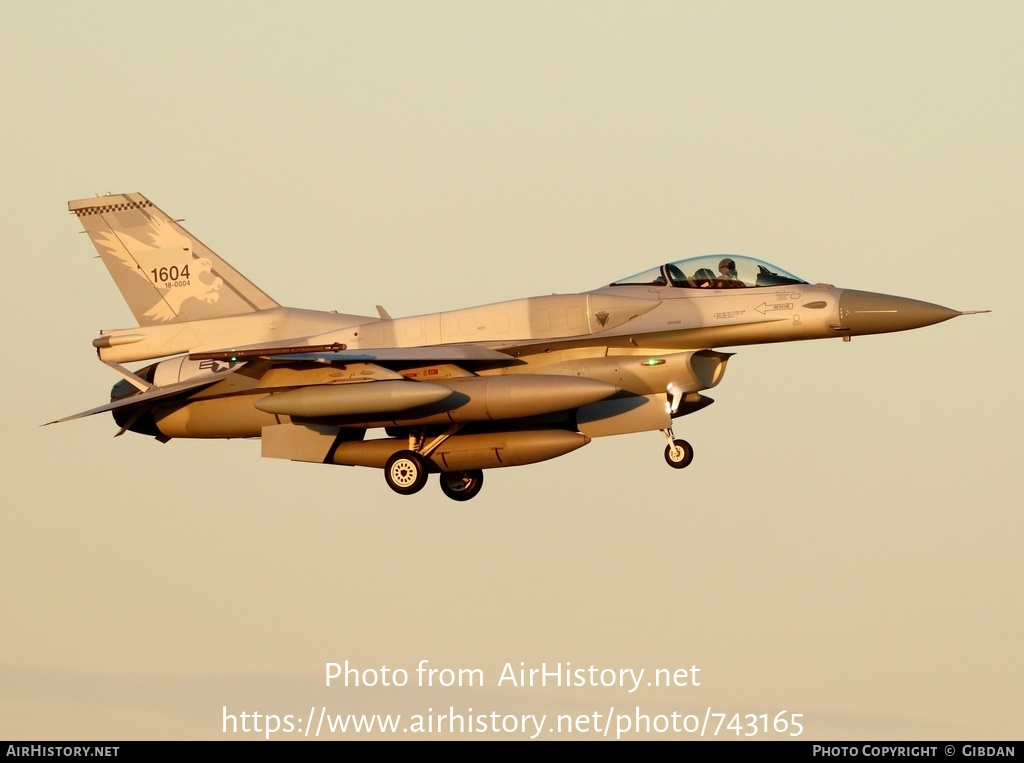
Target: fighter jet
{"x": 453, "y": 393}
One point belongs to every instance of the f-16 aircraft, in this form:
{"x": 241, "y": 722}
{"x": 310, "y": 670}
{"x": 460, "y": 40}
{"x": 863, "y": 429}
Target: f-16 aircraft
{"x": 455, "y": 392}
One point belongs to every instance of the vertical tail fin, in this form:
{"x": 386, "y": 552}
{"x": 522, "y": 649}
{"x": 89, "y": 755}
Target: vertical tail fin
{"x": 164, "y": 273}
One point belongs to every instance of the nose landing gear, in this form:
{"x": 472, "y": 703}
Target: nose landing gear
{"x": 678, "y": 453}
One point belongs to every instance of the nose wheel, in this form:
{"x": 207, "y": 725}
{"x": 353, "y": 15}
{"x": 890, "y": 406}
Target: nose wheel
{"x": 678, "y": 453}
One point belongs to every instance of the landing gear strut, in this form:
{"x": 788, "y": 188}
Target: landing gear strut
{"x": 678, "y": 453}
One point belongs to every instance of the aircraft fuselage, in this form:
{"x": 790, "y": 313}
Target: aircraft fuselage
{"x": 456, "y": 392}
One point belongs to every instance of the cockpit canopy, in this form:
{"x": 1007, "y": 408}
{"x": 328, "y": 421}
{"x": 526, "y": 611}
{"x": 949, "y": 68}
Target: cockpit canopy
{"x": 712, "y": 271}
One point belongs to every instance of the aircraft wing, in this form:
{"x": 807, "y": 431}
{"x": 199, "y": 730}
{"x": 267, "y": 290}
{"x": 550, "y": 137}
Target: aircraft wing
{"x": 455, "y": 353}
{"x": 149, "y": 396}
{"x": 461, "y": 354}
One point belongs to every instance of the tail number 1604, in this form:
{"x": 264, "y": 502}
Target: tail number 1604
{"x": 171, "y": 276}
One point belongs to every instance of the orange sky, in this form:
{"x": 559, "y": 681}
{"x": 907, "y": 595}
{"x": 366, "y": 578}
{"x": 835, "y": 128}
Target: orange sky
{"x": 846, "y": 544}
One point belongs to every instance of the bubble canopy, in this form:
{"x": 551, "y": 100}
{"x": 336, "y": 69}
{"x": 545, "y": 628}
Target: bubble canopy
{"x": 713, "y": 271}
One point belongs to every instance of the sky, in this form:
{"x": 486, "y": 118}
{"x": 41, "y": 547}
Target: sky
{"x": 844, "y": 551}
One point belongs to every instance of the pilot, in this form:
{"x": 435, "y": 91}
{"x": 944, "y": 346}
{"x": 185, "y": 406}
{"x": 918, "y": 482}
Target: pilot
{"x": 727, "y": 271}
{"x": 702, "y": 279}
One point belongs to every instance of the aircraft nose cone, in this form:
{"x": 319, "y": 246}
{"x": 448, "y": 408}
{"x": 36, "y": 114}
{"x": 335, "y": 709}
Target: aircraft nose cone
{"x": 864, "y": 312}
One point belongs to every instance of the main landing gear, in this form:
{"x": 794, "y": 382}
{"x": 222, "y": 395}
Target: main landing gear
{"x": 678, "y": 453}
{"x": 461, "y": 486}
{"x": 406, "y": 471}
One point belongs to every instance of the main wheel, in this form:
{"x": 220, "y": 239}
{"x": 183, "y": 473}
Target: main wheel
{"x": 461, "y": 486}
{"x": 405, "y": 472}
{"x": 679, "y": 454}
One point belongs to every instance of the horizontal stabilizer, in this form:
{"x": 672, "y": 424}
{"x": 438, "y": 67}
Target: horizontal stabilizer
{"x": 149, "y": 396}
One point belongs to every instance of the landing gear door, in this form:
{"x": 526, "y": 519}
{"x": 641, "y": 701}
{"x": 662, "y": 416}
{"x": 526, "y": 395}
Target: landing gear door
{"x": 640, "y": 413}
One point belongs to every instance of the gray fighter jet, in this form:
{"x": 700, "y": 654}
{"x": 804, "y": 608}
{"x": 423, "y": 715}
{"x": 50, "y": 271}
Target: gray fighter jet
{"x": 456, "y": 392}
